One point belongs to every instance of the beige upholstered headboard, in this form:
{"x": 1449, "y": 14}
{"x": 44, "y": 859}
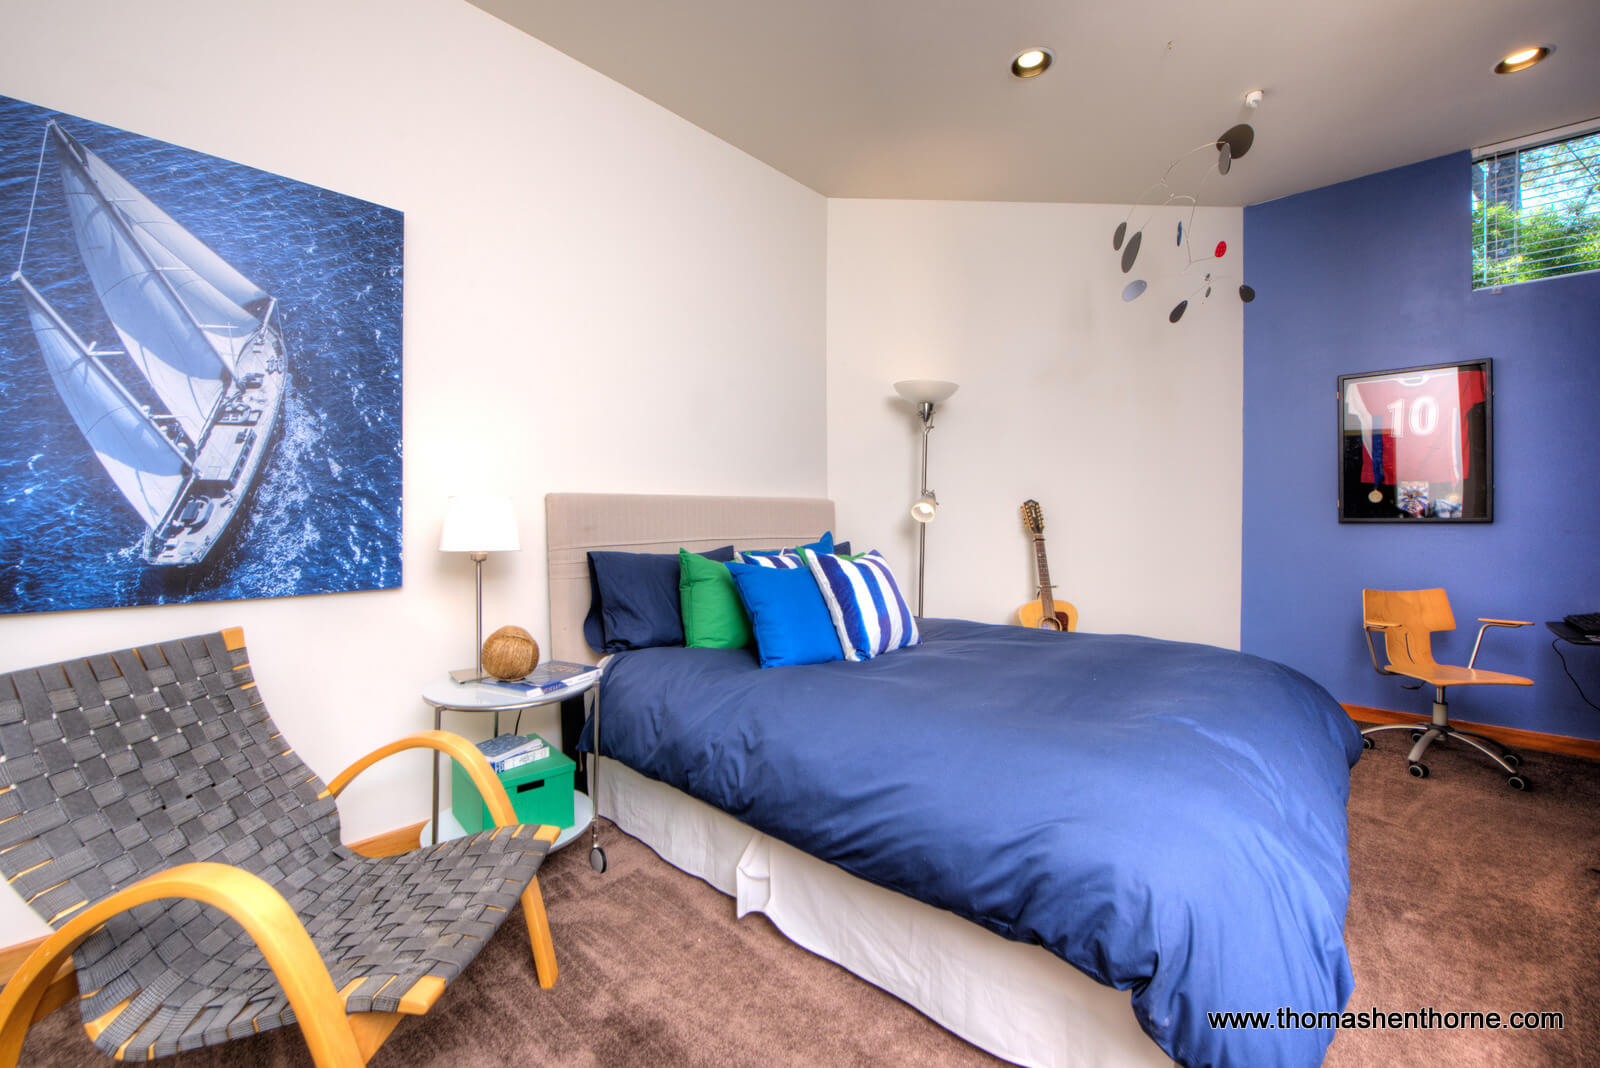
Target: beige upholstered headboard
{"x": 579, "y": 523}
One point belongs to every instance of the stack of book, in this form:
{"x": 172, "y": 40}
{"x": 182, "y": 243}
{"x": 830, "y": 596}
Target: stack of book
{"x": 507, "y": 751}
{"x": 550, "y": 677}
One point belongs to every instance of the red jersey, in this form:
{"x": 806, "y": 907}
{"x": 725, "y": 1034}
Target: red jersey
{"x": 1415, "y": 425}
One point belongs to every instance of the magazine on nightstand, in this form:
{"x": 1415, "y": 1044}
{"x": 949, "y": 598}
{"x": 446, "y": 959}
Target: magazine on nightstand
{"x": 550, "y": 677}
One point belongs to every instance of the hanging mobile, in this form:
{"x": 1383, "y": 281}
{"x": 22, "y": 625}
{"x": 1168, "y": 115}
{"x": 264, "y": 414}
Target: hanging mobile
{"x": 1228, "y": 146}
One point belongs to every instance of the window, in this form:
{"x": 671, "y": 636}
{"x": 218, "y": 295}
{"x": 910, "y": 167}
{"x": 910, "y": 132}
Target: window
{"x": 1536, "y": 210}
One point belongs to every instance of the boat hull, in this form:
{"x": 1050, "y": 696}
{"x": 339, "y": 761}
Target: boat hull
{"x": 233, "y": 453}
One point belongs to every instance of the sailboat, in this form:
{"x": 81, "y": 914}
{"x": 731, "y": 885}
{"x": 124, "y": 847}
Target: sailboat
{"x": 206, "y": 340}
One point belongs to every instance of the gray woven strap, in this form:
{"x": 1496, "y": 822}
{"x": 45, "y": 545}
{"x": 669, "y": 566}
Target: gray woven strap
{"x": 129, "y": 763}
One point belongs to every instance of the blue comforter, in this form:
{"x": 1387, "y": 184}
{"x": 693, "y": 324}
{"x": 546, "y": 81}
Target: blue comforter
{"x": 1169, "y": 818}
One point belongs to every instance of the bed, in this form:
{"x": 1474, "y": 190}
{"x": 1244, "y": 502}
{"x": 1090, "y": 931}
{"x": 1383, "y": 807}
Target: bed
{"x": 1066, "y": 856}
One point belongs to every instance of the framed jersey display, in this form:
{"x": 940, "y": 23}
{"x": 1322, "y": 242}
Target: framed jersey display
{"x": 1415, "y": 445}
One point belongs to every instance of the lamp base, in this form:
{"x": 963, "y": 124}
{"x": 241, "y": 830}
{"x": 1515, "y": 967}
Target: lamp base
{"x": 469, "y": 675}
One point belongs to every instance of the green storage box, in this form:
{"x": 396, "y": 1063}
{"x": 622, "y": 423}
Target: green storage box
{"x": 540, "y": 792}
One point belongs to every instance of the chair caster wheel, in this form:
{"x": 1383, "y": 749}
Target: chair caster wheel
{"x": 1517, "y": 782}
{"x": 597, "y": 859}
{"x": 1416, "y": 736}
{"x": 1512, "y": 759}
{"x": 1368, "y": 743}
{"x": 1419, "y": 771}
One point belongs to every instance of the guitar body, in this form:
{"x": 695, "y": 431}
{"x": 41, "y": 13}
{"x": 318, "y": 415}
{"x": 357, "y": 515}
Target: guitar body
{"x": 1031, "y": 615}
{"x": 1046, "y": 613}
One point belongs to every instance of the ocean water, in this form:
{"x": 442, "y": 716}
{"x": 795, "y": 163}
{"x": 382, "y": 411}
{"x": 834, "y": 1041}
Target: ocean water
{"x": 325, "y": 517}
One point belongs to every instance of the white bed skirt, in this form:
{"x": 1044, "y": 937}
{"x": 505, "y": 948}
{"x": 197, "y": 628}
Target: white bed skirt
{"x": 1017, "y": 1001}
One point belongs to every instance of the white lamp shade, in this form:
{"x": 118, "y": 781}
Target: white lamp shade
{"x": 479, "y": 524}
{"x": 926, "y": 508}
{"x": 925, "y": 390}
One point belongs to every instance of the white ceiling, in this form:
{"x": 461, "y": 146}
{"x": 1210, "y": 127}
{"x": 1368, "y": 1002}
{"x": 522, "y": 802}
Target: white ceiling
{"x": 913, "y": 99}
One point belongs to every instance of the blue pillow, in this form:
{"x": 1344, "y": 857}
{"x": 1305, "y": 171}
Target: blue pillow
{"x": 869, "y": 614}
{"x": 634, "y": 601}
{"x": 787, "y": 614}
{"x": 789, "y": 558}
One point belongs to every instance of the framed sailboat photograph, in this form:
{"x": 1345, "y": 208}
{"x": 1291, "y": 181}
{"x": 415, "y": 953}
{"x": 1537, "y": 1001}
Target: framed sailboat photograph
{"x": 201, "y": 394}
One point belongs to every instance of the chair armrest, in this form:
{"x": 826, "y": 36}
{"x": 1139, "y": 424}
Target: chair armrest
{"x": 1487, "y": 623}
{"x": 463, "y": 752}
{"x": 246, "y": 898}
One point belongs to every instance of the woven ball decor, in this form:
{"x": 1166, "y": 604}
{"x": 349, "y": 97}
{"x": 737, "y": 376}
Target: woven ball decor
{"x": 510, "y": 653}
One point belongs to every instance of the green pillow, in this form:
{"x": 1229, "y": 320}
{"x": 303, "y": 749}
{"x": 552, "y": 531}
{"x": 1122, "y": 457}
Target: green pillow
{"x": 713, "y": 616}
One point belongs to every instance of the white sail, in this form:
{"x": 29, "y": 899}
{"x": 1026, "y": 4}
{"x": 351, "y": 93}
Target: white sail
{"x": 138, "y": 457}
{"x": 181, "y": 329}
{"x": 156, "y": 230}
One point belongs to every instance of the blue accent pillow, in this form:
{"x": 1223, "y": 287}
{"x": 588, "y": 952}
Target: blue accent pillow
{"x": 634, "y": 601}
{"x": 869, "y": 614}
{"x": 787, "y": 615}
{"x": 789, "y": 558}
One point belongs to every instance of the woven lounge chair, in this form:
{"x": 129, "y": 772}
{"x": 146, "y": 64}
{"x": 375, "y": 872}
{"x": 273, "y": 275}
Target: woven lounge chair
{"x": 191, "y": 867}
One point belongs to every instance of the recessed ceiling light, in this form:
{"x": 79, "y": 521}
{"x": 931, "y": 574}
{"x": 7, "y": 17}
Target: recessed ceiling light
{"x": 1031, "y": 62}
{"x": 1521, "y": 59}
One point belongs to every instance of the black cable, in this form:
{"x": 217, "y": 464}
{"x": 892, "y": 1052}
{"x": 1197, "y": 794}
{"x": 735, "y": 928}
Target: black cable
{"x": 1556, "y": 645}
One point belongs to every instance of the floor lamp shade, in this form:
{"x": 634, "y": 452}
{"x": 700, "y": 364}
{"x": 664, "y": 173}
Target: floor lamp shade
{"x": 925, "y": 390}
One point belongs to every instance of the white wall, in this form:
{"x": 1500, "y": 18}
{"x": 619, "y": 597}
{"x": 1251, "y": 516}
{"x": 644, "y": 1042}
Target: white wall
{"x": 599, "y": 296}
{"x": 1125, "y": 427}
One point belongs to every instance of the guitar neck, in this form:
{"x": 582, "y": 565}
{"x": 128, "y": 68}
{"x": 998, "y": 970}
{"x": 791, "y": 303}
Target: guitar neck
{"x": 1046, "y": 591}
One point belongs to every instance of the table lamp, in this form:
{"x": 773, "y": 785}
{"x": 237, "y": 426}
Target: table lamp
{"x": 480, "y": 525}
{"x": 924, "y": 393}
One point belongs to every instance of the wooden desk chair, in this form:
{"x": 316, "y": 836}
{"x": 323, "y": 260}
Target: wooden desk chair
{"x": 190, "y": 863}
{"x": 1407, "y": 619}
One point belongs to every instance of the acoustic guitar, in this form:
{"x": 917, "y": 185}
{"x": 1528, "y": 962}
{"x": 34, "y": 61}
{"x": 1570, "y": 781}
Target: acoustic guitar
{"x": 1046, "y": 613}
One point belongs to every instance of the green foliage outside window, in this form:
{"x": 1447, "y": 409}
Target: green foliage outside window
{"x": 1536, "y": 212}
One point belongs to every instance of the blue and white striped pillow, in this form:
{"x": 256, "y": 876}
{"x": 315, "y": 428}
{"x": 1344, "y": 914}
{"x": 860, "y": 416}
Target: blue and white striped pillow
{"x": 867, "y": 609}
{"x": 786, "y": 560}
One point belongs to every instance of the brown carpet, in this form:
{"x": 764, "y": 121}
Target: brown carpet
{"x": 655, "y": 970}
{"x": 1469, "y": 896}
{"x": 1466, "y": 896}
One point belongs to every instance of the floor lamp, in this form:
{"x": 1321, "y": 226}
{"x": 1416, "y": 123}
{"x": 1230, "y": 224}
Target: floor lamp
{"x": 924, "y": 393}
{"x": 479, "y": 525}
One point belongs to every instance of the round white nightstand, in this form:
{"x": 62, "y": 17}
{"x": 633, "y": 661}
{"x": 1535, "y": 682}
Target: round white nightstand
{"x": 445, "y": 693}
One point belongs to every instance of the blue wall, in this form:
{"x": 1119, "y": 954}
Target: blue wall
{"x": 1374, "y": 274}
